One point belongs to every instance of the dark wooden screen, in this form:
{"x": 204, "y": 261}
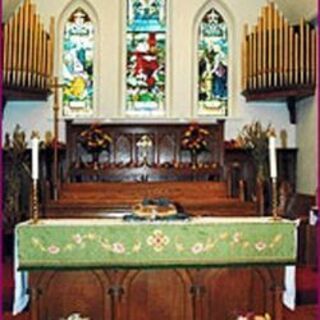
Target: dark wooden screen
{"x": 165, "y": 160}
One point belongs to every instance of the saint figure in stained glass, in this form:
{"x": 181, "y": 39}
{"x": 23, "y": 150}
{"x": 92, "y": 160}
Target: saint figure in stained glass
{"x": 146, "y": 42}
{"x": 78, "y": 43}
{"x": 213, "y": 65}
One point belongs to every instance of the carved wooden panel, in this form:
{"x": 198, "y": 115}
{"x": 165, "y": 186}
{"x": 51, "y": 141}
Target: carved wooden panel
{"x": 157, "y": 295}
{"x": 231, "y": 291}
{"x": 122, "y": 149}
{"x": 64, "y": 293}
{"x": 171, "y": 294}
{"x": 166, "y": 150}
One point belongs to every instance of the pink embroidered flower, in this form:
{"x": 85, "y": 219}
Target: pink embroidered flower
{"x": 158, "y": 240}
{"x": 236, "y": 237}
{"x": 77, "y": 238}
{"x": 118, "y": 247}
{"x": 53, "y": 249}
{"x": 197, "y": 248}
{"x": 260, "y": 246}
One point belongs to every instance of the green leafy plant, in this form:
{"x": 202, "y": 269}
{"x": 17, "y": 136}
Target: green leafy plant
{"x": 16, "y": 178}
{"x": 255, "y": 137}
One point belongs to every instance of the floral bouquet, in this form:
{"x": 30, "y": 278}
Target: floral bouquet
{"x": 194, "y": 138}
{"x": 95, "y": 140}
{"x": 254, "y": 136}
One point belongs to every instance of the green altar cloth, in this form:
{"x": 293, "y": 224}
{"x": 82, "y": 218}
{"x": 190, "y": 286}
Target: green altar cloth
{"x": 107, "y": 243}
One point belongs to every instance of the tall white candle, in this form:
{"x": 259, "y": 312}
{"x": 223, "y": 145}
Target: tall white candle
{"x": 272, "y": 156}
{"x": 35, "y": 158}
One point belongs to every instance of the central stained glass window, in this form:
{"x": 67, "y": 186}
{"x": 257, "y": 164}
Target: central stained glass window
{"x": 78, "y": 45}
{"x": 213, "y": 65}
{"x": 146, "y": 57}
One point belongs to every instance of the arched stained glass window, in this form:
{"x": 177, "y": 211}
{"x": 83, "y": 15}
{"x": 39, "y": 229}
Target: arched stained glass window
{"x": 213, "y": 65}
{"x": 146, "y": 56}
{"x": 78, "y": 48}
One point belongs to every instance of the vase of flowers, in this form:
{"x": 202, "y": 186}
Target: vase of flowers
{"x": 255, "y": 138}
{"x": 94, "y": 140}
{"x": 194, "y": 139}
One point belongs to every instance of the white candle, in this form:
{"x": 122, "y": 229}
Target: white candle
{"x": 35, "y": 157}
{"x": 272, "y": 157}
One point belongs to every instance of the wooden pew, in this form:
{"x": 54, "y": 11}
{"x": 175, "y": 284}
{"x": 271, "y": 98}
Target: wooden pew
{"x": 98, "y": 199}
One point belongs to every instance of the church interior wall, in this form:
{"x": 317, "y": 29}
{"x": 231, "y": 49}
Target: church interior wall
{"x": 109, "y": 97}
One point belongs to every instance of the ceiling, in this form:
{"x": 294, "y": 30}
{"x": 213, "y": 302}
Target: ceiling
{"x": 293, "y": 9}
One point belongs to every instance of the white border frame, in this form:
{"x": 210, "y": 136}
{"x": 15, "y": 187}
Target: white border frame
{"x": 66, "y": 12}
{"x": 226, "y": 13}
{"x": 122, "y": 113}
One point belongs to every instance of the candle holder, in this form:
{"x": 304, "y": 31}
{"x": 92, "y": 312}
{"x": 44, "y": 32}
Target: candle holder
{"x": 34, "y": 202}
{"x": 275, "y": 215}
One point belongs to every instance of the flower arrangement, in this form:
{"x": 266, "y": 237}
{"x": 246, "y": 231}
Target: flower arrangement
{"x": 95, "y": 139}
{"x": 194, "y": 138}
{"x": 255, "y": 137}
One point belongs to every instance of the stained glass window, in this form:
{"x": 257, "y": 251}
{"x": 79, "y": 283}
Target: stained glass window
{"x": 213, "y": 65}
{"x": 146, "y": 56}
{"x": 78, "y": 46}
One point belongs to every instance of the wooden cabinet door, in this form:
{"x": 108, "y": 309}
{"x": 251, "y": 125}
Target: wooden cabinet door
{"x": 156, "y": 295}
{"x": 63, "y": 293}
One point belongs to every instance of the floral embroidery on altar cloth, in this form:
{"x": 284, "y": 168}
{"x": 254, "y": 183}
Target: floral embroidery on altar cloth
{"x": 160, "y": 242}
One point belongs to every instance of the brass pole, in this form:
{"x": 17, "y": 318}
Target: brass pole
{"x": 35, "y": 204}
{"x": 56, "y": 136}
{"x": 275, "y": 200}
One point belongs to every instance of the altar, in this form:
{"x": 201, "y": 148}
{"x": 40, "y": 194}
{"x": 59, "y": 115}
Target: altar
{"x": 187, "y": 269}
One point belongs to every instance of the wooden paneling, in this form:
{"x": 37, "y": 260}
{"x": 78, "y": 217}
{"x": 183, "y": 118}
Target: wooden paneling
{"x": 172, "y": 294}
{"x": 126, "y": 163}
{"x": 60, "y": 294}
{"x": 161, "y": 294}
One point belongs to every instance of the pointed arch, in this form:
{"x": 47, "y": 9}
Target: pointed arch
{"x": 212, "y": 46}
{"x": 146, "y": 66}
{"x": 78, "y": 55}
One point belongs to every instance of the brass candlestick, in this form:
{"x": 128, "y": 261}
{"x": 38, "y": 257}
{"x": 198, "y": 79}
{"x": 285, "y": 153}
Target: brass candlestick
{"x": 55, "y": 86}
{"x": 34, "y": 204}
{"x": 275, "y": 200}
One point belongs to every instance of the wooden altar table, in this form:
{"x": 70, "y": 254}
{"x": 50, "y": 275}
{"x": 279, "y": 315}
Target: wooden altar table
{"x": 112, "y": 257}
